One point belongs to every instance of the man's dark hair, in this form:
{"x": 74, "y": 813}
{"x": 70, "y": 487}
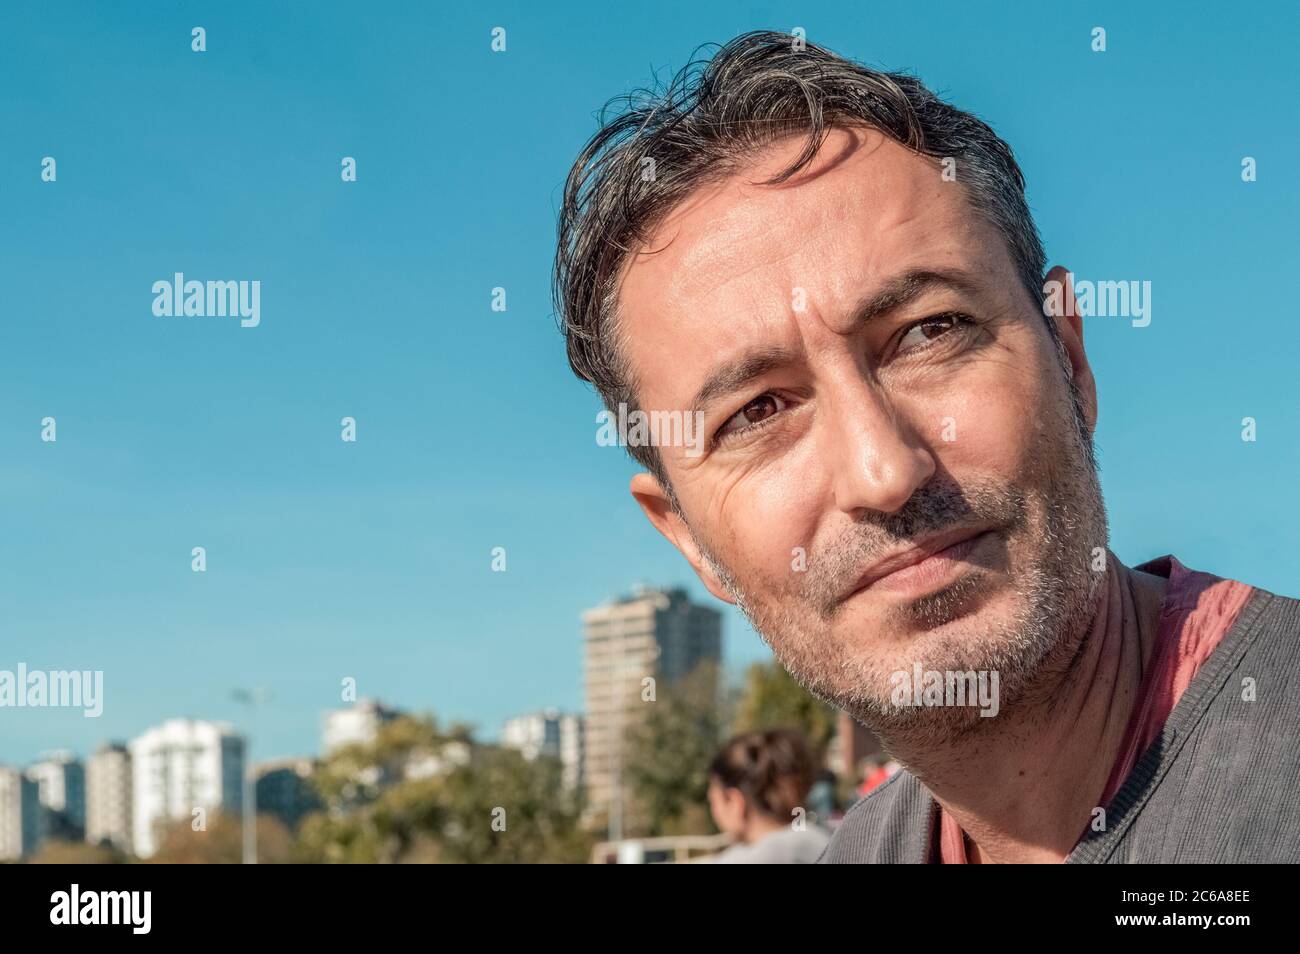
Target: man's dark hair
{"x": 716, "y": 113}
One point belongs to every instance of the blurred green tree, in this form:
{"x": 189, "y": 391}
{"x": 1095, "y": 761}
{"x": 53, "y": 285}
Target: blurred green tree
{"x": 419, "y": 794}
{"x": 668, "y": 748}
{"x": 222, "y": 842}
{"x": 770, "y": 698}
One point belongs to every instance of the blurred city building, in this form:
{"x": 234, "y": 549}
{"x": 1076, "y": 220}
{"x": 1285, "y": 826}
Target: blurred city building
{"x": 61, "y": 781}
{"x": 355, "y": 725}
{"x": 284, "y": 789}
{"x": 651, "y": 633}
{"x": 179, "y": 768}
{"x": 108, "y": 797}
{"x": 550, "y": 733}
{"x": 20, "y": 814}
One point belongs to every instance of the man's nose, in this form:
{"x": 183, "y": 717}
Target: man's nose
{"x": 878, "y": 460}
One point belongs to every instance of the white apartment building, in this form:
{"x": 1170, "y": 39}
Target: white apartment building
{"x": 357, "y": 724}
{"x": 178, "y": 767}
{"x": 549, "y": 732}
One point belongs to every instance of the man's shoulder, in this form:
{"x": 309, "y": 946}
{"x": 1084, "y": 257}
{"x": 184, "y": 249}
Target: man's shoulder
{"x": 1284, "y": 611}
{"x": 1218, "y": 784}
{"x": 890, "y": 825}
{"x": 1267, "y": 629}
{"x": 894, "y": 824}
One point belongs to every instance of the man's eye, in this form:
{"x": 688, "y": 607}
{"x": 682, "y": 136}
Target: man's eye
{"x": 756, "y": 412}
{"x": 923, "y": 332}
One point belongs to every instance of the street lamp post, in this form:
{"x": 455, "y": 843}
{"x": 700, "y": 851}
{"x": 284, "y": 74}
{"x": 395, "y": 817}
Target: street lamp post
{"x": 253, "y": 697}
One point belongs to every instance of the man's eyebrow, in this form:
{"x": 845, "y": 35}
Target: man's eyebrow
{"x": 734, "y": 375}
{"x": 896, "y": 293}
{"x": 909, "y": 286}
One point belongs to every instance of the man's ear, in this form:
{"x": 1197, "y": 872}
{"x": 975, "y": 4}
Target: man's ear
{"x": 650, "y": 494}
{"x": 1063, "y": 310}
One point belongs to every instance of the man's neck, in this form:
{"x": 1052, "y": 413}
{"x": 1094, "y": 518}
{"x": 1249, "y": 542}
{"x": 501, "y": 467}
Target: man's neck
{"x": 1026, "y": 784}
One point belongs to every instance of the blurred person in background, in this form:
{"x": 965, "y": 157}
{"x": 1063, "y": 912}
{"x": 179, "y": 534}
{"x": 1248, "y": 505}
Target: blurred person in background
{"x": 758, "y": 787}
{"x": 875, "y": 771}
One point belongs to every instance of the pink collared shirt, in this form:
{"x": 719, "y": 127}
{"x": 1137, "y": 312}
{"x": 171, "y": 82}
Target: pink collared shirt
{"x": 1198, "y": 609}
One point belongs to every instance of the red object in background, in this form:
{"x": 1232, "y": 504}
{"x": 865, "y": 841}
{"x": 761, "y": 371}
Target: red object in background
{"x": 875, "y": 777}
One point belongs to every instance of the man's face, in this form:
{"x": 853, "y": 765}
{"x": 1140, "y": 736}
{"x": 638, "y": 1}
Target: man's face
{"x": 895, "y": 468}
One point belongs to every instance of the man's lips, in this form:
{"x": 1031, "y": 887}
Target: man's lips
{"x": 937, "y": 551}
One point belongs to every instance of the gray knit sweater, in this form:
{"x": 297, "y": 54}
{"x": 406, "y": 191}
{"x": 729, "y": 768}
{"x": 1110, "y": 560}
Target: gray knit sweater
{"x": 1221, "y": 783}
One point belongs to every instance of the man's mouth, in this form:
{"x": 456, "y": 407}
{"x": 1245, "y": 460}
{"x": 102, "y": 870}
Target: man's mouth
{"x": 924, "y": 565}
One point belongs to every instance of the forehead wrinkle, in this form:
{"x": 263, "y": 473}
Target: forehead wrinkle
{"x": 700, "y": 253}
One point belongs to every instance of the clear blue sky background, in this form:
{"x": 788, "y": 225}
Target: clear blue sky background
{"x": 372, "y": 560}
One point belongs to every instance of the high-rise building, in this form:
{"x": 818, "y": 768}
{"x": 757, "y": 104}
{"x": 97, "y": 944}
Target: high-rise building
{"x": 552, "y": 733}
{"x": 652, "y": 633}
{"x": 178, "y": 767}
{"x": 108, "y": 796}
{"x": 284, "y": 789}
{"x": 20, "y": 814}
{"x": 357, "y": 724}
{"x": 61, "y": 783}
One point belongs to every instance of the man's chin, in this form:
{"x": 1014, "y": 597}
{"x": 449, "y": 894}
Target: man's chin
{"x": 973, "y": 625}
{"x": 970, "y": 601}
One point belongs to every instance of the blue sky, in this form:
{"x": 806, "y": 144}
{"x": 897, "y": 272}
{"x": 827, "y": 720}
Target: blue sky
{"x": 372, "y": 560}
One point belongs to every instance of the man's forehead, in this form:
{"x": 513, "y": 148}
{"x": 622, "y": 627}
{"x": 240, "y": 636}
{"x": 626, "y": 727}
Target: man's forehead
{"x": 738, "y": 249}
{"x": 859, "y": 177}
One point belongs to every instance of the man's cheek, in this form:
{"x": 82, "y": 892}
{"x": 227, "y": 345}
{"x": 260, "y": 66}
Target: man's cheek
{"x": 994, "y": 423}
{"x": 762, "y": 517}
{"x": 784, "y": 512}
{"x": 994, "y": 442}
